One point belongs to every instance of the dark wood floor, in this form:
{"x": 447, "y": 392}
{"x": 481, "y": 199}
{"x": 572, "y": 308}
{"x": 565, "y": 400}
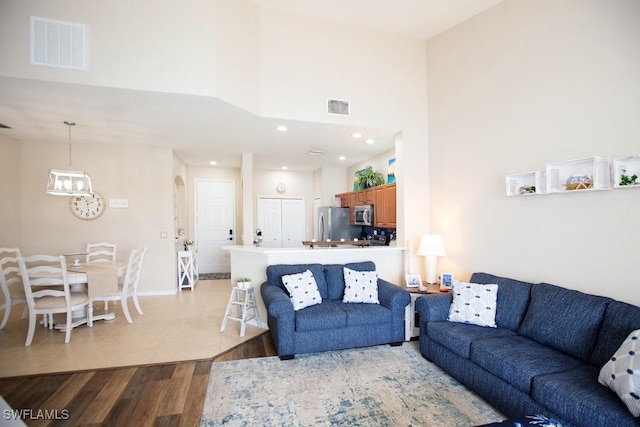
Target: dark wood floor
{"x": 151, "y": 395}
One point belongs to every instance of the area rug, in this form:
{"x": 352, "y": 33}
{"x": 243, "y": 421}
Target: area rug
{"x": 373, "y": 386}
{"x": 214, "y": 276}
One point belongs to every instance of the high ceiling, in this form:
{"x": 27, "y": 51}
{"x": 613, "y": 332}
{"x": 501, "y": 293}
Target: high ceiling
{"x": 202, "y": 129}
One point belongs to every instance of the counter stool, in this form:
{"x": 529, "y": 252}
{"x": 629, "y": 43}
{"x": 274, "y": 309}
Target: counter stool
{"x": 187, "y": 270}
{"x": 241, "y": 298}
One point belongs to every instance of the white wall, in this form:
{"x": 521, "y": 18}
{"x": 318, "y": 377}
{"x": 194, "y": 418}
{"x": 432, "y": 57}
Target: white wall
{"x": 299, "y": 185}
{"x": 526, "y": 83}
{"x": 378, "y": 163}
{"x": 304, "y": 61}
{"x": 165, "y": 46}
{"x": 139, "y": 174}
{"x": 10, "y": 206}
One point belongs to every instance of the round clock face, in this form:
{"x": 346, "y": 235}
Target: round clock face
{"x": 281, "y": 188}
{"x": 87, "y": 207}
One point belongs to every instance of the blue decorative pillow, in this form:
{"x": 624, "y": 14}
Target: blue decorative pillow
{"x": 303, "y": 290}
{"x": 474, "y": 303}
{"x": 622, "y": 373}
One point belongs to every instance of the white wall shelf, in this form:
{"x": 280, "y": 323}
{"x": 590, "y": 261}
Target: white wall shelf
{"x": 576, "y": 176}
{"x": 526, "y": 184}
{"x": 595, "y": 170}
{"x": 628, "y": 166}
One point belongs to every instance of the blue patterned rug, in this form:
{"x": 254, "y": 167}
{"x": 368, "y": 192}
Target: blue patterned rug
{"x": 374, "y": 386}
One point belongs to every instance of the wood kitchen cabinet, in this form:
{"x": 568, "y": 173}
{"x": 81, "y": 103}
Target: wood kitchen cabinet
{"x": 384, "y": 206}
{"x": 365, "y": 197}
{"x": 383, "y": 199}
{"x": 349, "y": 200}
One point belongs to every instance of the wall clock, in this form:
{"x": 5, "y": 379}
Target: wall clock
{"x": 281, "y": 188}
{"x": 87, "y": 207}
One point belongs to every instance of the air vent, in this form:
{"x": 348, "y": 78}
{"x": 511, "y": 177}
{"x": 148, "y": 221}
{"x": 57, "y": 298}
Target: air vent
{"x": 58, "y": 44}
{"x": 338, "y": 107}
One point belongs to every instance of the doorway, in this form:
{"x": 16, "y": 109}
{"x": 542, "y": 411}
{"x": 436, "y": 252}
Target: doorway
{"x": 214, "y": 224}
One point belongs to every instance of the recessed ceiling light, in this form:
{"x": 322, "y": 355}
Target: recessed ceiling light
{"x": 357, "y": 135}
{"x": 370, "y": 141}
{"x": 284, "y": 168}
{"x": 281, "y": 128}
{"x": 342, "y": 158}
{"x": 213, "y": 162}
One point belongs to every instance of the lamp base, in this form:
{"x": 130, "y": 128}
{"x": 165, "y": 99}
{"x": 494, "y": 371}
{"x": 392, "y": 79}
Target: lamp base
{"x": 432, "y": 277}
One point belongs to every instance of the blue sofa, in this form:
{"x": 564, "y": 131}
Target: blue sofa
{"x": 545, "y": 355}
{"x": 332, "y": 324}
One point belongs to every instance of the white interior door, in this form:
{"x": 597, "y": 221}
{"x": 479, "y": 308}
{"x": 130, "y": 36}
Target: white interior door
{"x": 215, "y": 224}
{"x": 293, "y": 223}
{"x": 270, "y": 222}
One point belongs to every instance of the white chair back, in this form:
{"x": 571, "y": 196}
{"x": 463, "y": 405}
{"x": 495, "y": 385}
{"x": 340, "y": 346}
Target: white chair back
{"x": 10, "y": 282}
{"x": 134, "y": 269}
{"x": 101, "y": 252}
{"x": 46, "y": 288}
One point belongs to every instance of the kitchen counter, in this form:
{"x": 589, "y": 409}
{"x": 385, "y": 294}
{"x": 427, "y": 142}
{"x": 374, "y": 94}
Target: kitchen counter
{"x": 252, "y": 261}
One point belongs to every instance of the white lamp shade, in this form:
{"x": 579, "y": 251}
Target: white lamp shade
{"x": 68, "y": 183}
{"x": 431, "y": 245}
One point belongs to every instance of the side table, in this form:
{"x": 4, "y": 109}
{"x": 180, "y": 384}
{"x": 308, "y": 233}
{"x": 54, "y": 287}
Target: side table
{"x": 411, "y": 320}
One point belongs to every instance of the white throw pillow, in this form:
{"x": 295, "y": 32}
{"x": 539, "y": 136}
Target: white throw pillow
{"x": 622, "y": 373}
{"x": 360, "y": 286}
{"x": 474, "y": 303}
{"x": 303, "y": 289}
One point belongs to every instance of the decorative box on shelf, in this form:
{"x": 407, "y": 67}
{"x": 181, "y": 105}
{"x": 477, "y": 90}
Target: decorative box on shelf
{"x": 526, "y": 183}
{"x": 626, "y": 172}
{"x": 592, "y": 173}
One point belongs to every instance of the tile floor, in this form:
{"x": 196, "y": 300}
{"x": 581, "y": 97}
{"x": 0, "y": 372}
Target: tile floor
{"x": 178, "y": 327}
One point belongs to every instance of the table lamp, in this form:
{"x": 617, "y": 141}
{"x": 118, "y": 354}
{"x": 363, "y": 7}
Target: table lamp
{"x": 431, "y": 247}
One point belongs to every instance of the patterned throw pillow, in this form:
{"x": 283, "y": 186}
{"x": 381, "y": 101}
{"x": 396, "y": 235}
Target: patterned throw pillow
{"x": 303, "y": 289}
{"x": 360, "y": 286}
{"x": 474, "y": 303}
{"x": 622, "y": 373}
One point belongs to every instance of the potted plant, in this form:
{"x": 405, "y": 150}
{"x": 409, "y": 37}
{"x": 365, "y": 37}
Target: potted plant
{"x": 366, "y": 178}
{"x": 244, "y": 283}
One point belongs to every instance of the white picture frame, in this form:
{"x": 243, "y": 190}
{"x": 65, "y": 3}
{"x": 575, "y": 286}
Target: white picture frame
{"x": 413, "y": 280}
{"x": 446, "y": 280}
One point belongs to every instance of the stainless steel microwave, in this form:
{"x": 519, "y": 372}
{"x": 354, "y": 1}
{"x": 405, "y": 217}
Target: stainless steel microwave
{"x": 363, "y": 215}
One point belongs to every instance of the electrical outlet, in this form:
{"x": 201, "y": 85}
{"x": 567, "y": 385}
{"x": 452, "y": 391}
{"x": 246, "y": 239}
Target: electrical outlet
{"x": 164, "y": 234}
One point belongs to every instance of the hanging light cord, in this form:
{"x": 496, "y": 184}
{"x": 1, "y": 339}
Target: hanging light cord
{"x": 69, "y": 124}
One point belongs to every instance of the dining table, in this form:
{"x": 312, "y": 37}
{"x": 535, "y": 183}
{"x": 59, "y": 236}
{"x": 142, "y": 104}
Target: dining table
{"x": 97, "y": 279}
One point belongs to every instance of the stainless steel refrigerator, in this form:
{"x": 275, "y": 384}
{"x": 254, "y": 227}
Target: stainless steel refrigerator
{"x": 334, "y": 224}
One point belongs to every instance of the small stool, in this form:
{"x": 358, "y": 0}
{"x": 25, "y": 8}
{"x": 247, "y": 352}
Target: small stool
{"x": 241, "y": 297}
{"x": 187, "y": 270}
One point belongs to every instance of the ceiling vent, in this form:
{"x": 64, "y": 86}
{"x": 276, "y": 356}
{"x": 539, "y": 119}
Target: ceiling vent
{"x": 338, "y": 107}
{"x": 58, "y": 44}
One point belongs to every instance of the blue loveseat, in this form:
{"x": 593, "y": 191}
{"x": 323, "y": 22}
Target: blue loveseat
{"x": 545, "y": 355}
{"x": 332, "y": 324}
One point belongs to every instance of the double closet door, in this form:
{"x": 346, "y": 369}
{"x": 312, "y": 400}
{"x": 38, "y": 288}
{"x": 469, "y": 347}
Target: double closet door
{"x": 282, "y": 222}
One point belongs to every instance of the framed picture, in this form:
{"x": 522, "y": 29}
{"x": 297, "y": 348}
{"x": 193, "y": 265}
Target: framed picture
{"x": 446, "y": 280}
{"x": 413, "y": 280}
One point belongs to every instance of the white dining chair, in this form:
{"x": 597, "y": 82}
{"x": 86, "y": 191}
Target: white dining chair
{"x": 101, "y": 252}
{"x": 46, "y": 288}
{"x": 11, "y": 283}
{"x": 128, "y": 289}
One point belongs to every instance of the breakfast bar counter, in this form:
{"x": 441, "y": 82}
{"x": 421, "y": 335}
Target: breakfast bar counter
{"x": 252, "y": 262}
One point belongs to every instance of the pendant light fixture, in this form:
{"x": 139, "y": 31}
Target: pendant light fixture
{"x": 68, "y": 182}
